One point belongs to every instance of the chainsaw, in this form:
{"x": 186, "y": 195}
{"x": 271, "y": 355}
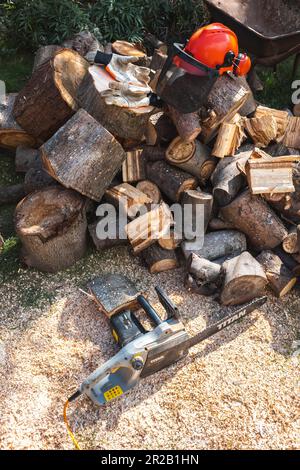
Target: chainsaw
{"x": 142, "y": 352}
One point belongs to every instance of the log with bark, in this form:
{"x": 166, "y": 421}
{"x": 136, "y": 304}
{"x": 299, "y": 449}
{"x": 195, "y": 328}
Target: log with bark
{"x": 244, "y": 280}
{"x": 133, "y": 169}
{"x": 83, "y": 43}
{"x": 281, "y": 118}
{"x": 37, "y": 179}
{"x": 159, "y": 58}
{"x": 109, "y": 242}
{"x": 171, "y": 181}
{"x": 250, "y": 105}
{"x": 262, "y": 130}
{"x": 171, "y": 241}
{"x": 195, "y": 287}
{"x": 43, "y": 54}
{"x": 27, "y": 158}
{"x": 187, "y": 125}
{"x": 12, "y": 194}
{"x": 127, "y": 123}
{"x": 216, "y": 224}
{"x": 52, "y": 227}
{"x": 148, "y": 228}
{"x": 290, "y": 243}
{"x": 151, "y": 190}
{"x": 83, "y": 156}
{"x": 230, "y": 138}
{"x": 153, "y": 154}
{"x": 227, "y": 179}
{"x": 216, "y": 245}
{"x": 197, "y": 208}
{"x": 11, "y": 134}
{"x": 292, "y": 134}
{"x": 160, "y": 130}
{"x": 203, "y": 270}
{"x": 225, "y": 99}
{"x": 159, "y": 260}
{"x": 253, "y": 216}
{"x": 281, "y": 279}
{"x": 50, "y": 97}
{"x": 192, "y": 157}
{"x": 292, "y": 262}
{"x": 128, "y": 199}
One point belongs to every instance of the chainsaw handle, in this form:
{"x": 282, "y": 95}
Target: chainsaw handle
{"x": 149, "y": 310}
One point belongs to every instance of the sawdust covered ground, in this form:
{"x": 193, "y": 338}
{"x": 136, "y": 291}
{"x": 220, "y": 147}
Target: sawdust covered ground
{"x": 239, "y": 390}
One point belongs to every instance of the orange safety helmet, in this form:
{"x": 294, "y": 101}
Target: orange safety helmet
{"x": 214, "y": 50}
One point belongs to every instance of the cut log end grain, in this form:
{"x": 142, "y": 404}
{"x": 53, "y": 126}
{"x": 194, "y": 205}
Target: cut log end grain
{"x": 244, "y": 280}
{"x": 11, "y": 134}
{"x": 52, "y": 227}
{"x": 151, "y": 190}
{"x": 290, "y": 243}
{"x": 83, "y": 156}
{"x": 280, "y": 278}
{"x": 128, "y": 49}
{"x": 51, "y": 93}
{"x": 125, "y": 123}
{"x": 159, "y": 260}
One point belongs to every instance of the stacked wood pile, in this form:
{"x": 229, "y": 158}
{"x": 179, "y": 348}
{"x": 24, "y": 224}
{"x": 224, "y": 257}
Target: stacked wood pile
{"x": 233, "y": 163}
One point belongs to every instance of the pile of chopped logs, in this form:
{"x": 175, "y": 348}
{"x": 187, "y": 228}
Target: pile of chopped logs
{"x": 234, "y": 158}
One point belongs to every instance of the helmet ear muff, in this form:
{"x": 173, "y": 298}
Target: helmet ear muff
{"x": 229, "y": 59}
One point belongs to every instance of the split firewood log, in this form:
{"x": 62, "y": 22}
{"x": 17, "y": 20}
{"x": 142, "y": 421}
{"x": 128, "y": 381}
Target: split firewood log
{"x": 227, "y": 179}
{"x": 230, "y": 138}
{"x": 133, "y": 168}
{"x": 109, "y": 242}
{"x": 290, "y": 243}
{"x": 27, "y": 158}
{"x": 202, "y": 269}
{"x": 159, "y": 260}
{"x": 148, "y": 228}
{"x": 225, "y": 99}
{"x": 187, "y": 125}
{"x": 280, "y": 278}
{"x": 43, "y": 54}
{"x": 50, "y": 97}
{"x": 130, "y": 49}
{"x": 270, "y": 176}
{"x": 244, "y": 280}
{"x": 83, "y": 156}
{"x": 128, "y": 199}
{"x": 153, "y": 154}
{"x": 12, "y": 194}
{"x": 160, "y": 130}
{"x": 151, "y": 190}
{"x": 127, "y": 123}
{"x": 281, "y": 118}
{"x": 216, "y": 245}
{"x": 197, "y": 209}
{"x": 292, "y": 134}
{"x": 192, "y": 157}
{"x": 250, "y": 105}
{"x": 52, "y": 227}
{"x": 171, "y": 241}
{"x": 262, "y": 130}
{"x": 37, "y": 178}
{"x": 83, "y": 43}
{"x": 171, "y": 181}
{"x": 11, "y": 134}
{"x": 253, "y": 216}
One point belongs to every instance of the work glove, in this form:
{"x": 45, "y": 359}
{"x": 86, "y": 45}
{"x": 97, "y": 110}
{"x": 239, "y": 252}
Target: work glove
{"x": 121, "y": 68}
{"x": 126, "y": 95}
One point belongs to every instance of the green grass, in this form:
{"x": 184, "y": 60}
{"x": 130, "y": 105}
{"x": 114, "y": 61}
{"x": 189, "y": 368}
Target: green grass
{"x": 15, "y": 70}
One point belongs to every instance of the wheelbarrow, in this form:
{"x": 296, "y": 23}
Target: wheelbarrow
{"x": 269, "y": 30}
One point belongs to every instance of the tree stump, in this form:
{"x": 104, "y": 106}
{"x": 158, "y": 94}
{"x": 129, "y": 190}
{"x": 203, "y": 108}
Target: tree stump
{"x": 192, "y": 157}
{"x": 159, "y": 260}
{"x": 126, "y": 123}
{"x": 170, "y": 180}
{"x": 83, "y": 156}
{"x": 280, "y": 278}
{"x": 244, "y": 280}
{"x": 50, "y": 97}
{"x": 52, "y": 227}
{"x": 252, "y": 216}
{"x": 11, "y": 134}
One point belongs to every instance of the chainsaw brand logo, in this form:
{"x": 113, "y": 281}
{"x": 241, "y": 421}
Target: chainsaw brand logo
{"x": 2, "y": 92}
{"x": 296, "y": 94}
{"x": 156, "y": 222}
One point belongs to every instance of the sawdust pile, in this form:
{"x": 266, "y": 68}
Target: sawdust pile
{"x": 239, "y": 390}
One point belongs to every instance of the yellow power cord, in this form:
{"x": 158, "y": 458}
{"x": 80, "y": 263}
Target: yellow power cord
{"x": 69, "y": 427}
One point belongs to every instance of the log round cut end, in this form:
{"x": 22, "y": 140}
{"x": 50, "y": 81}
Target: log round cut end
{"x": 245, "y": 290}
{"x": 11, "y": 138}
{"x": 180, "y": 151}
{"x": 163, "y": 265}
{"x": 127, "y": 49}
{"x": 47, "y": 211}
{"x": 189, "y": 184}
